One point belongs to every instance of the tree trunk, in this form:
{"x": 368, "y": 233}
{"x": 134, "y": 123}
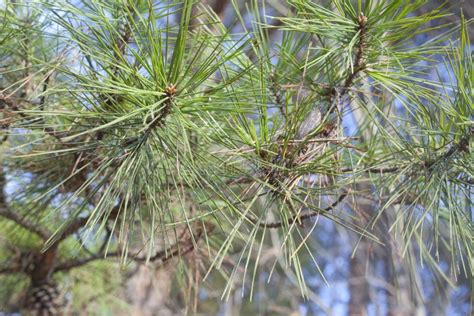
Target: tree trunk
{"x": 358, "y": 285}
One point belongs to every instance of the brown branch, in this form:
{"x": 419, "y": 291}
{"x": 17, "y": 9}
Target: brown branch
{"x": 76, "y": 263}
{"x": 7, "y": 213}
{"x": 11, "y": 266}
{"x": 170, "y": 92}
{"x": 334, "y": 93}
{"x": 79, "y": 223}
{"x": 380, "y": 170}
{"x": 8, "y": 101}
{"x": 11, "y": 269}
{"x": 24, "y": 222}
{"x": 169, "y": 253}
{"x": 359, "y": 59}
{"x": 301, "y": 217}
{"x": 358, "y": 66}
{"x": 48, "y": 130}
{"x": 408, "y": 198}
{"x": 45, "y": 88}
{"x": 275, "y": 88}
{"x": 461, "y": 147}
{"x": 14, "y": 104}
{"x": 180, "y": 248}
{"x": 161, "y": 255}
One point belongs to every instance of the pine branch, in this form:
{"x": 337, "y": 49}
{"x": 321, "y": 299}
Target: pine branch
{"x": 380, "y": 170}
{"x": 170, "y": 92}
{"x": 275, "y": 88}
{"x": 337, "y": 93}
{"x": 7, "y": 213}
{"x": 359, "y": 59}
{"x": 76, "y": 263}
{"x": 15, "y": 105}
{"x": 79, "y": 223}
{"x": 460, "y": 147}
{"x": 23, "y": 222}
{"x": 15, "y": 268}
{"x": 179, "y": 249}
{"x": 300, "y": 217}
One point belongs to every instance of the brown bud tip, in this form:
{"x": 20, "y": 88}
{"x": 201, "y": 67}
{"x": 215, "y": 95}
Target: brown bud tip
{"x": 362, "y": 19}
{"x": 170, "y": 90}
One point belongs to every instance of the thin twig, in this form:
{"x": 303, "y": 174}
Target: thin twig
{"x": 180, "y": 249}
{"x": 301, "y": 217}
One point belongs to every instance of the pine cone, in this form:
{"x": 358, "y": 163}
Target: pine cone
{"x": 44, "y": 300}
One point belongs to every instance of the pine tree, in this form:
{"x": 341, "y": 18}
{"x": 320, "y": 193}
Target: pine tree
{"x": 224, "y": 149}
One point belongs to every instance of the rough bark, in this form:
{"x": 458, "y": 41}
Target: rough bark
{"x": 358, "y": 283}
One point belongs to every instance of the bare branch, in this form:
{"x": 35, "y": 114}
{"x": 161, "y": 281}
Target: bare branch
{"x": 68, "y": 265}
{"x": 24, "y": 222}
{"x": 178, "y": 249}
{"x": 380, "y": 170}
{"x": 15, "y": 105}
{"x": 7, "y": 213}
{"x": 10, "y": 269}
